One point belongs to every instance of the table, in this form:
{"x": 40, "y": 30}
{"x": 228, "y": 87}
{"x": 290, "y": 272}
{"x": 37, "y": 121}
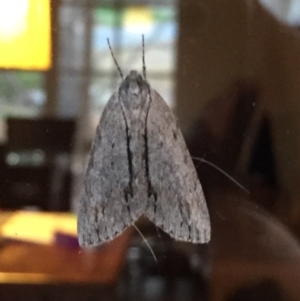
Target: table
{"x": 58, "y": 271}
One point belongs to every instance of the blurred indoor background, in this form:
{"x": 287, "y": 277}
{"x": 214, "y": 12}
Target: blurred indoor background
{"x": 230, "y": 71}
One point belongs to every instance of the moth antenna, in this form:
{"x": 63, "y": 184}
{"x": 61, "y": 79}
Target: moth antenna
{"x": 144, "y": 64}
{"x": 115, "y": 61}
{"x": 223, "y": 172}
{"x": 145, "y": 240}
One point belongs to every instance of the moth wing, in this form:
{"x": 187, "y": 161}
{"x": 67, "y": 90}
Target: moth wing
{"x": 103, "y": 210}
{"x": 177, "y": 203}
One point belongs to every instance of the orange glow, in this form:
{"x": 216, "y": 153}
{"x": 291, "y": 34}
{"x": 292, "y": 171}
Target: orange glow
{"x": 38, "y": 227}
{"x": 25, "y": 41}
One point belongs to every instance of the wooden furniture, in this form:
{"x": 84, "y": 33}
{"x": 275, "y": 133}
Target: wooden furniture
{"x": 53, "y": 272}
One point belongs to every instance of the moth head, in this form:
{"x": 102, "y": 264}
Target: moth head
{"x": 134, "y": 76}
{"x": 134, "y": 82}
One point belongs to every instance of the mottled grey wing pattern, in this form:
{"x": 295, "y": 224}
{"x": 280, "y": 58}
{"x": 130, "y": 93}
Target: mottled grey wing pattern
{"x": 103, "y": 210}
{"x": 177, "y": 203}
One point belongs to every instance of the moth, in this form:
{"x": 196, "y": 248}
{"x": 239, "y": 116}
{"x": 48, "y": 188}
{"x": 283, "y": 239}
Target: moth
{"x": 139, "y": 165}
